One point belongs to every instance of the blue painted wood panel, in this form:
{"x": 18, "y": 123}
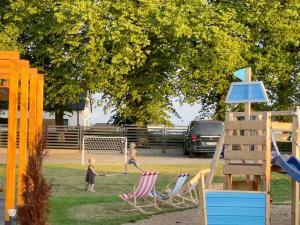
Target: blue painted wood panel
{"x": 241, "y": 211}
{"x": 235, "y": 208}
{"x": 235, "y": 194}
{"x": 235, "y": 220}
{"x": 235, "y": 202}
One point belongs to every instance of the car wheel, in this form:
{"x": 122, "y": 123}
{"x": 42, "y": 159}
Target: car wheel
{"x": 185, "y": 151}
{"x": 192, "y": 155}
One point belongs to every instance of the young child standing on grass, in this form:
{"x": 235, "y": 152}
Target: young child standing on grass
{"x": 90, "y": 175}
{"x": 132, "y": 156}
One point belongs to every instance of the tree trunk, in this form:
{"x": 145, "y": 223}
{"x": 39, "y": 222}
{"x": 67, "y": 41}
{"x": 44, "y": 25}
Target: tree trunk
{"x": 59, "y": 118}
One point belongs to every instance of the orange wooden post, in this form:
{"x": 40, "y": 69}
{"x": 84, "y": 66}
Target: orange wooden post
{"x": 9, "y": 55}
{"x": 39, "y": 106}
{"x": 32, "y": 109}
{"x": 295, "y": 193}
{"x": 24, "y": 73}
{"x": 12, "y": 137}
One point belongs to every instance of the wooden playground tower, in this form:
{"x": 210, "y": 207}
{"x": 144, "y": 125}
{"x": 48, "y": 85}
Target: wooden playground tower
{"x": 247, "y": 152}
{"x": 22, "y": 87}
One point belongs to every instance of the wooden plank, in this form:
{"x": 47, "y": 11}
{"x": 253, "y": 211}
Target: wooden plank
{"x": 295, "y": 220}
{"x": 12, "y": 139}
{"x": 267, "y": 165}
{"x": 281, "y": 126}
{"x": 24, "y": 70}
{"x": 236, "y": 211}
{"x": 244, "y": 140}
{"x": 246, "y": 155}
{"x": 244, "y": 169}
{"x": 227, "y": 177}
{"x": 236, "y": 194}
{"x": 235, "y": 220}
{"x": 13, "y": 55}
{"x": 273, "y": 113}
{"x": 202, "y": 217}
{"x": 4, "y": 71}
{"x": 39, "y": 106}
{"x": 236, "y": 191}
{"x": 32, "y": 109}
{"x": 243, "y": 114}
{"x": 282, "y": 113}
{"x": 245, "y": 125}
{"x": 215, "y": 160}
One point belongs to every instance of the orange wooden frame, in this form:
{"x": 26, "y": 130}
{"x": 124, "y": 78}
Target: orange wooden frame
{"x": 25, "y": 88}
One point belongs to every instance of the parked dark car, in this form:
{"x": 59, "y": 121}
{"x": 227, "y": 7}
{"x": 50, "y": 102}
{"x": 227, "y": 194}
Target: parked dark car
{"x": 202, "y": 137}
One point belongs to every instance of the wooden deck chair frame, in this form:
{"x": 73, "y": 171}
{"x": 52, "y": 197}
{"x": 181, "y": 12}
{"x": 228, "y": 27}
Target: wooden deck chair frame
{"x": 257, "y": 199}
{"x": 174, "y": 200}
{"x": 135, "y": 201}
{"x": 190, "y": 190}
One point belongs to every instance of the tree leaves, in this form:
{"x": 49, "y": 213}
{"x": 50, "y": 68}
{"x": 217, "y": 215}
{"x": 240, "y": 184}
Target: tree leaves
{"x": 143, "y": 54}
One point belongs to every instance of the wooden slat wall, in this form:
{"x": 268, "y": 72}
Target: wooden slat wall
{"x": 245, "y": 147}
{"x": 235, "y": 208}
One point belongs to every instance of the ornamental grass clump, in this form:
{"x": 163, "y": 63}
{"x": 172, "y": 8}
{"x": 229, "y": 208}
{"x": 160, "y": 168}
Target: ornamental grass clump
{"x": 36, "y": 191}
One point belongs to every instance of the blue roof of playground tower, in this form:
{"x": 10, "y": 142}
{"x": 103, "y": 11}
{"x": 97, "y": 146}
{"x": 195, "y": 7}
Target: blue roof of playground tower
{"x": 244, "y": 92}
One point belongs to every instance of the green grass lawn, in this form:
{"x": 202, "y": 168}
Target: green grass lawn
{"x": 72, "y": 205}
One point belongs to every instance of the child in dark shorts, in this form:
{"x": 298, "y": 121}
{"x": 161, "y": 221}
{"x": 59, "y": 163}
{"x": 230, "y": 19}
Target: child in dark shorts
{"x": 90, "y": 175}
{"x": 132, "y": 157}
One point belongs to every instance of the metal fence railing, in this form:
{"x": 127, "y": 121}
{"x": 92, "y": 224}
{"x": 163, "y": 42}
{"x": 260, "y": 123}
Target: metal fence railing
{"x": 70, "y": 137}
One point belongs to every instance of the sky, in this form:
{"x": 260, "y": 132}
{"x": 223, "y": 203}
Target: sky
{"x": 186, "y": 111}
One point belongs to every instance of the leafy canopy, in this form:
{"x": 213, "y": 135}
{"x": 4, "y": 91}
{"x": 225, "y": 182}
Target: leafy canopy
{"x": 143, "y": 54}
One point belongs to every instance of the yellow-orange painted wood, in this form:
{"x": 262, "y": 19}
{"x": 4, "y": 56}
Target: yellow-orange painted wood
{"x": 4, "y": 71}
{"x": 267, "y": 165}
{"x": 32, "y": 109}
{"x": 12, "y": 70}
{"x": 12, "y": 138}
{"x": 39, "y": 107}
{"x": 24, "y": 71}
{"x": 295, "y": 220}
{"x": 12, "y": 55}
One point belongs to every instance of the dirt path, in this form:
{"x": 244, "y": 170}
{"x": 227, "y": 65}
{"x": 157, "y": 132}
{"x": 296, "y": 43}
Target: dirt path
{"x": 155, "y": 158}
{"x": 280, "y": 216}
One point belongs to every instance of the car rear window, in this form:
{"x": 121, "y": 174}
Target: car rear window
{"x": 208, "y": 129}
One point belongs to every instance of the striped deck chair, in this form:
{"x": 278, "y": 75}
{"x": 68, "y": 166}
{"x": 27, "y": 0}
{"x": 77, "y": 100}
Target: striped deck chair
{"x": 172, "y": 196}
{"x": 190, "y": 191}
{"x": 231, "y": 207}
{"x": 141, "y": 193}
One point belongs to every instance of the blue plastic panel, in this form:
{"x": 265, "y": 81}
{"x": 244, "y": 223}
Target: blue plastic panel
{"x": 291, "y": 167}
{"x": 243, "y": 92}
{"x": 241, "y": 74}
{"x": 235, "y": 208}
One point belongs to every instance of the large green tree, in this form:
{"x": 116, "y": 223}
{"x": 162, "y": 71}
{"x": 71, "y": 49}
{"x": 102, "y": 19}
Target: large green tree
{"x": 141, "y": 54}
{"x": 183, "y": 57}
{"x": 269, "y": 32}
{"x": 8, "y": 30}
{"x": 59, "y": 38}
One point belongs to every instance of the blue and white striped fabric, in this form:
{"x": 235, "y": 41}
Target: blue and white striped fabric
{"x": 178, "y": 185}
